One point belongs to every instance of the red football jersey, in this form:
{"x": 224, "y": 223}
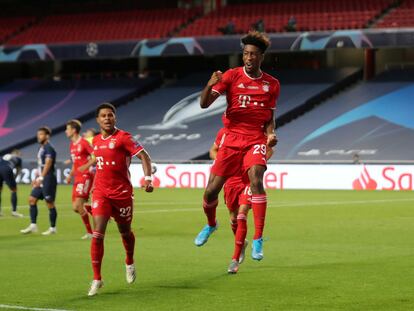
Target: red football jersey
{"x": 80, "y": 153}
{"x": 250, "y": 101}
{"x": 113, "y": 156}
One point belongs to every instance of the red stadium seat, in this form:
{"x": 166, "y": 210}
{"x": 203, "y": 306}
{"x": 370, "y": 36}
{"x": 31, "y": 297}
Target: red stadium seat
{"x": 309, "y": 14}
{"x": 105, "y": 26}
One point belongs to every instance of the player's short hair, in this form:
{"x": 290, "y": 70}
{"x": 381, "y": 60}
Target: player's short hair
{"x": 75, "y": 124}
{"x": 93, "y": 130}
{"x": 105, "y": 106}
{"x": 256, "y": 38}
{"x": 45, "y": 129}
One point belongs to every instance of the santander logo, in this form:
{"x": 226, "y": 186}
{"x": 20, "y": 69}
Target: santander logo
{"x": 364, "y": 181}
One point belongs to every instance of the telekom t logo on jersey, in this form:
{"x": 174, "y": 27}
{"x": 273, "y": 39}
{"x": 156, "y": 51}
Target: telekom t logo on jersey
{"x": 99, "y": 162}
{"x": 245, "y": 100}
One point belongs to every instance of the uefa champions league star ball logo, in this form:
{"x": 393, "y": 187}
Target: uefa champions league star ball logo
{"x": 92, "y": 49}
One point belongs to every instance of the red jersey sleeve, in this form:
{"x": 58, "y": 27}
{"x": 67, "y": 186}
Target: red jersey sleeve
{"x": 275, "y": 94}
{"x": 225, "y": 82}
{"x": 132, "y": 146}
{"x": 94, "y": 140}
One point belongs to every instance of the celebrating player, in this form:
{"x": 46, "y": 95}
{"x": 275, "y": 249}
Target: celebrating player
{"x": 251, "y": 99}
{"x": 44, "y": 186}
{"x": 9, "y": 162}
{"x": 113, "y": 192}
{"x": 80, "y": 152}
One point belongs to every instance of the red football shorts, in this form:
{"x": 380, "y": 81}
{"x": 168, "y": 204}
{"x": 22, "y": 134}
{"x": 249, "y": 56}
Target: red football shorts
{"x": 236, "y": 193}
{"x": 119, "y": 209}
{"x": 239, "y": 153}
{"x": 245, "y": 198}
{"x": 231, "y": 196}
{"x": 82, "y": 186}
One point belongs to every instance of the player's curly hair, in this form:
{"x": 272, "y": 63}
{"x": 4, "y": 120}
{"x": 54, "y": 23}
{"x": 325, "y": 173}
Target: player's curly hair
{"x": 256, "y": 38}
{"x": 106, "y": 105}
{"x": 45, "y": 130}
{"x": 75, "y": 124}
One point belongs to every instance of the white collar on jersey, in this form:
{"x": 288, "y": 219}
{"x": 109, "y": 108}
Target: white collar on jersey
{"x": 77, "y": 142}
{"x": 116, "y": 130}
{"x": 247, "y": 75}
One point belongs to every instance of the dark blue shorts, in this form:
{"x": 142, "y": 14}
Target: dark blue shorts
{"x": 47, "y": 191}
{"x": 7, "y": 176}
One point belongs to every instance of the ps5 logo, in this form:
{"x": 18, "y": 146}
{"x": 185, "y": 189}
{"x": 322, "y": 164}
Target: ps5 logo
{"x": 337, "y": 152}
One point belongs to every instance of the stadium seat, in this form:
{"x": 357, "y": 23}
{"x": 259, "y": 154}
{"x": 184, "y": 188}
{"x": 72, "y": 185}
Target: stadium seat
{"x": 104, "y": 26}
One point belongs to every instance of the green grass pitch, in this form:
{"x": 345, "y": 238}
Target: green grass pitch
{"x": 325, "y": 250}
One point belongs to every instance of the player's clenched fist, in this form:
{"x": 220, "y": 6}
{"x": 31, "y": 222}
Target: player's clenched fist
{"x": 148, "y": 186}
{"x": 271, "y": 140}
{"x": 215, "y": 78}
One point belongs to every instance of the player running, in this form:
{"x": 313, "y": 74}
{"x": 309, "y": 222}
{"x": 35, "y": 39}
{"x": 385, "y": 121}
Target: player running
{"x": 44, "y": 186}
{"x": 80, "y": 152}
{"x": 251, "y": 99}
{"x": 10, "y": 162}
{"x": 113, "y": 192}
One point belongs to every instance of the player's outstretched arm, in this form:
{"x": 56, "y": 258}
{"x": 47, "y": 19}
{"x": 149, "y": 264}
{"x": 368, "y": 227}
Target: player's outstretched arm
{"x": 147, "y": 168}
{"x": 207, "y": 96}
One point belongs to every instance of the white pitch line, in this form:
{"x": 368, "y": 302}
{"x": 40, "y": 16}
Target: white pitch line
{"x": 271, "y": 205}
{"x": 28, "y": 308}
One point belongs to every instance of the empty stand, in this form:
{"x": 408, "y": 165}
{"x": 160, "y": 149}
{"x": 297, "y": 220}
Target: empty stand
{"x": 402, "y": 16}
{"x": 9, "y": 25}
{"x": 27, "y": 105}
{"x": 309, "y": 15}
{"x": 373, "y": 119}
{"x": 104, "y": 26}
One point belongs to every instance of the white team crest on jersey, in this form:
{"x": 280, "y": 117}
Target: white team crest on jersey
{"x": 111, "y": 145}
{"x": 266, "y": 87}
{"x": 79, "y": 148}
{"x": 95, "y": 204}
